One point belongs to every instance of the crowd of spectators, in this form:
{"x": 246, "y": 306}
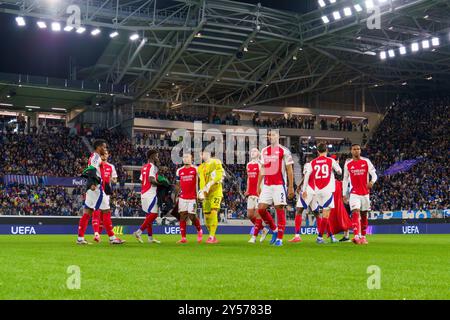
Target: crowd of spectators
{"x": 55, "y": 153}
{"x": 413, "y": 129}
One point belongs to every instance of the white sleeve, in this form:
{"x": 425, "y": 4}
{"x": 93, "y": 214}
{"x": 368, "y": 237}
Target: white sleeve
{"x": 153, "y": 171}
{"x": 372, "y": 172}
{"x": 287, "y": 157}
{"x": 177, "y": 174}
{"x": 307, "y": 170}
{"x": 337, "y": 167}
{"x": 114, "y": 172}
{"x": 345, "y": 181}
{"x": 96, "y": 161}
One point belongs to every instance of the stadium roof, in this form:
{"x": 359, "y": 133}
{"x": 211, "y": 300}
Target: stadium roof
{"x": 235, "y": 54}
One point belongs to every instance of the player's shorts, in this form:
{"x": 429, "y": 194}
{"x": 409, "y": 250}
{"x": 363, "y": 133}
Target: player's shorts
{"x": 97, "y": 200}
{"x": 310, "y": 201}
{"x": 187, "y": 205}
{"x": 211, "y": 203}
{"x": 275, "y": 194}
{"x": 325, "y": 199}
{"x": 150, "y": 203}
{"x": 252, "y": 202}
{"x": 361, "y": 203}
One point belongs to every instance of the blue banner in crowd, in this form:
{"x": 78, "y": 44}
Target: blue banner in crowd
{"x": 63, "y": 182}
{"x": 20, "y": 179}
{"x": 401, "y": 166}
{"x": 46, "y": 181}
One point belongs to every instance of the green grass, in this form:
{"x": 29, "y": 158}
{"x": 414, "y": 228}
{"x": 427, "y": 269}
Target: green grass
{"x": 412, "y": 267}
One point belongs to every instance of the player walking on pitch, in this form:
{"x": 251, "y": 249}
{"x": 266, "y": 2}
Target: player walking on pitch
{"x": 356, "y": 172}
{"x": 187, "y": 184}
{"x": 277, "y": 164}
{"x": 211, "y": 174}
{"x": 321, "y": 172}
{"x": 253, "y": 169}
{"x": 149, "y": 199}
{"x": 103, "y": 216}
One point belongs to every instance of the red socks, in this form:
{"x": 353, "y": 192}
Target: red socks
{"x": 267, "y": 218}
{"x": 197, "y": 224}
{"x": 298, "y": 223}
{"x": 323, "y": 226}
{"x": 183, "y": 228}
{"x": 364, "y": 224}
{"x": 253, "y": 220}
{"x": 258, "y": 227}
{"x": 82, "y": 225}
{"x": 148, "y": 222}
{"x": 281, "y": 219}
{"x": 356, "y": 224}
{"x": 107, "y": 223}
{"x": 96, "y": 221}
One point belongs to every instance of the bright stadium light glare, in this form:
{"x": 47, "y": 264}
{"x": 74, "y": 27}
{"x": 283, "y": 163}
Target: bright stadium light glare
{"x": 435, "y": 41}
{"x": 383, "y": 55}
{"x": 358, "y": 8}
{"x": 41, "y": 24}
{"x": 391, "y": 53}
{"x": 68, "y": 28}
{"x": 414, "y": 47}
{"x": 80, "y": 30}
{"x": 322, "y": 3}
{"x": 32, "y": 107}
{"x": 134, "y": 37}
{"x": 332, "y": 1}
{"x": 56, "y": 26}
{"x": 369, "y": 4}
{"x": 95, "y": 32}
{"x": 426, "y": 44}
{"x": 113, "y": 34}
{"x": 347, "y": 11}
{"x": 336, "y": 15}
{"x": 402, "y": 50}
{"x": 325, "y": 19}
{"x": 20, "y": 21}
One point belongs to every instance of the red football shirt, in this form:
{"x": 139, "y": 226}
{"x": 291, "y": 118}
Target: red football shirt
{"x": 275, "y": 159}
{"x": 187, "y": 176}
{"x": 253, "y": 168}
{"x": 358, "y": 171}
{"x": 147, "y": 171}
{"x": 108, "y": 171}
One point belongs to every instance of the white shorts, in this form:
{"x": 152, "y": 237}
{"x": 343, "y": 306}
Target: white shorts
{"x": 275, "y": 195}
{"x": 252, "y": 202}
{"x": 325, "y": 199}
{"x": 97, "y": 200}
{"x": 187, "y": 205}
{"x": 150, "y": 203}
{"x": 361, "y": 203}
{"x": 310, "y": 201}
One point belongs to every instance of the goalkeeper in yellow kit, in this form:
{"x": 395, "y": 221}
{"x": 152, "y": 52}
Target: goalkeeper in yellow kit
{"x": 211, "y": 174}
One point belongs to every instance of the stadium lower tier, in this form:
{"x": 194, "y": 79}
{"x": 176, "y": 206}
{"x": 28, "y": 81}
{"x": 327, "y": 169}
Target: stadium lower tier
{"x": 126, "y": 226}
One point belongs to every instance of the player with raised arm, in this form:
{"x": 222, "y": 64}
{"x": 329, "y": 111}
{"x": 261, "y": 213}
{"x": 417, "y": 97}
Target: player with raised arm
{"x": 303, "y": 204}
{"x": 211, "y": 175}
{"x": 277, "y": 166}
{"x": 94, "y": 193}
{"x": 322, "y": 172}
{"x": 253, "y": 169}
{"x": 149, "y": 199}
{"x": 187, "y": 185}
{"x": 103, "y": 216}
{"x": 356, "y": 172}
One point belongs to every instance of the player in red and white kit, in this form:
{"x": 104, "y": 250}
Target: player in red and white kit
{"x": 103, "y": 216}
{"x": 356, "y": 172}
{"x": 322, "y": 172}
{"x": 253, "y": 169}
{"x": 277, "y": 166}
{"x": 187, "y": 182}
{"x": 303, "y": 204}
{"x": 94, "y": 195}
{"x": 149, "y": 199}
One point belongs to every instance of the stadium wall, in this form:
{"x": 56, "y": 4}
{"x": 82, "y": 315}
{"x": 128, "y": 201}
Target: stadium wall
{"x": 20, "y": 225}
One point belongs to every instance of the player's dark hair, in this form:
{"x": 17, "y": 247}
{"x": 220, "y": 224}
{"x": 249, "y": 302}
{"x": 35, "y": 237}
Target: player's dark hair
{"x": 151, "y": 153}
{"x": 356, "y": 144}
{"x": 98, "y": 143}
{"x": 322, "y": 147}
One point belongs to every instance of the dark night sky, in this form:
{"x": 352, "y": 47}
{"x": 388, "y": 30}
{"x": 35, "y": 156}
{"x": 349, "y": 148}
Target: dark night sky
{"x": 29, "y": 50}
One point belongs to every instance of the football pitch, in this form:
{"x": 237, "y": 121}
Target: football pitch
{"x": 406, "y": 267}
